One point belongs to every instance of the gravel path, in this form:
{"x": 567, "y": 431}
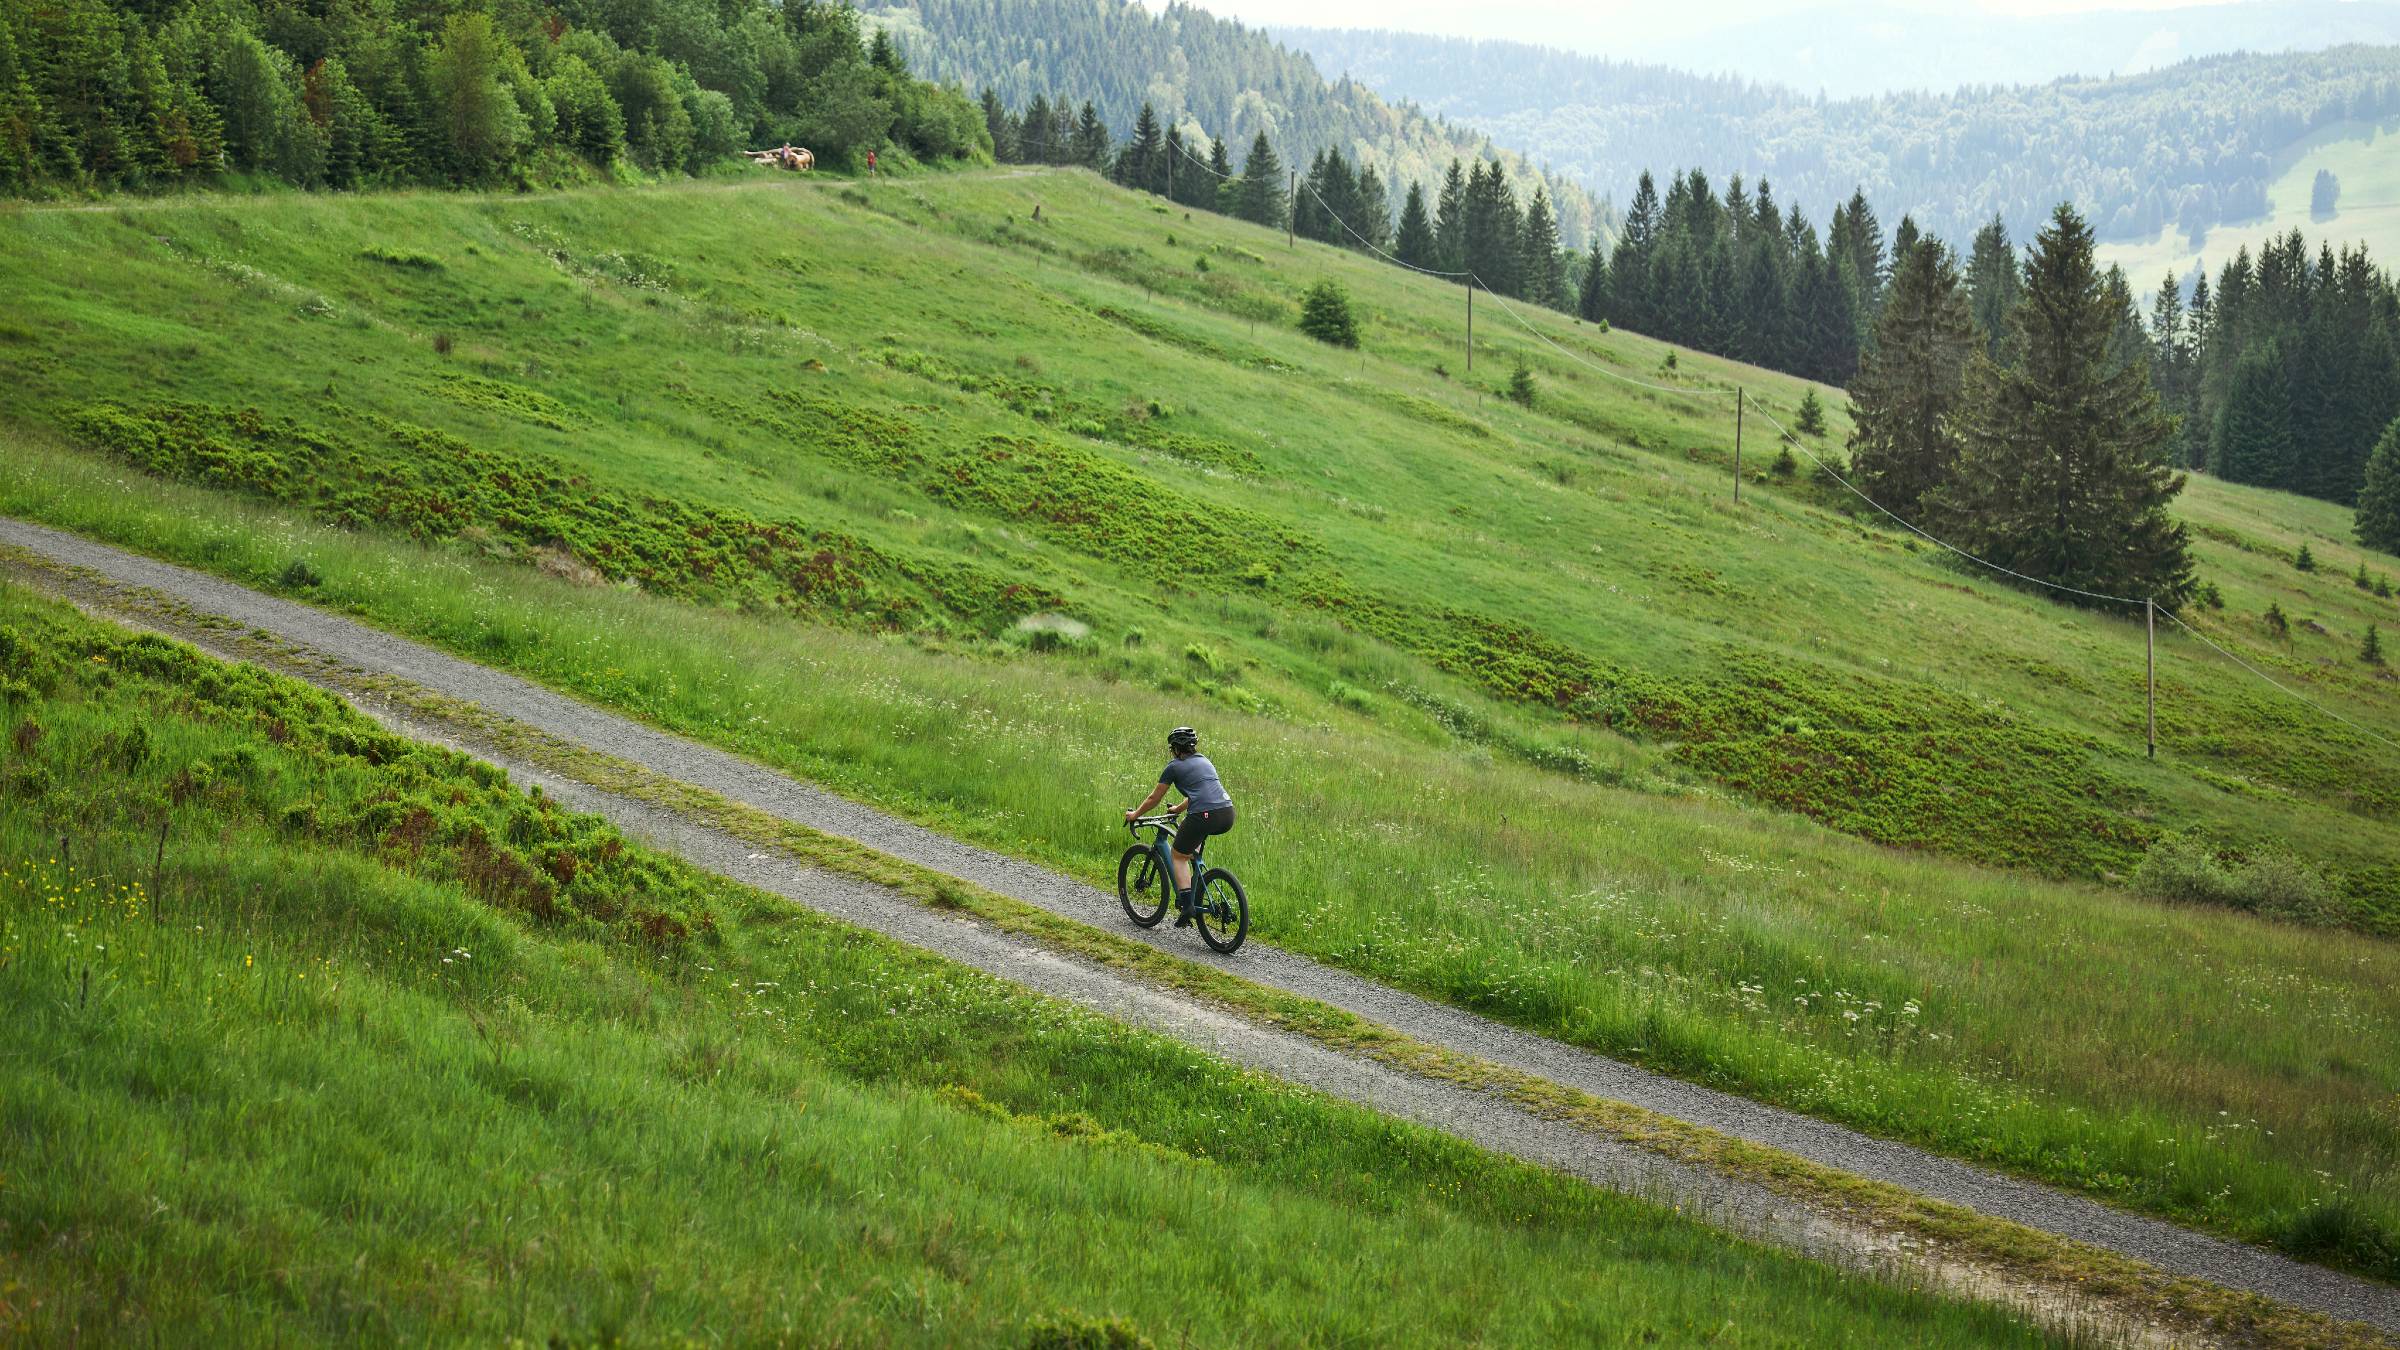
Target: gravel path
{"x": 1466, "y": 1112}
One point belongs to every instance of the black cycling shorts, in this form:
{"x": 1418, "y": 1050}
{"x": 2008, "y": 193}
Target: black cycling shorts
{"x": 1199, "y": 825}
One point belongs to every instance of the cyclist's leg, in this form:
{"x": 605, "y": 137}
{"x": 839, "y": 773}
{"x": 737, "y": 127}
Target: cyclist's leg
{"x": 1189, "y": 831}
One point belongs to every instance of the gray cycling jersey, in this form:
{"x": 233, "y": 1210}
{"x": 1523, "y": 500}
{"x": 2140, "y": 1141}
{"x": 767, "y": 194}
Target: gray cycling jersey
{"x": 1196, "y": 779}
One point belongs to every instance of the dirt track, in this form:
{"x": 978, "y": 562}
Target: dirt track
{"x": 1470, "y": 1113}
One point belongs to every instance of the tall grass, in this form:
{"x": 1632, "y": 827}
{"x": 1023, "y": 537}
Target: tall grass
{"x": 262, "y": 1088}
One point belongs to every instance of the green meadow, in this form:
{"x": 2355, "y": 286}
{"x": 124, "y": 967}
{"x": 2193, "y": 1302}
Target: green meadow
{"x": 324, "y": 1036}
{"x": 955, "y": 510}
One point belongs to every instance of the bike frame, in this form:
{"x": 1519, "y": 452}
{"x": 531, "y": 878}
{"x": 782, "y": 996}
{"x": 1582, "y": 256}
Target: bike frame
{"x": 1162, "y": 846}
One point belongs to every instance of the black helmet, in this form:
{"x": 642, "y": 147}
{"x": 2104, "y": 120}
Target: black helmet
{"x": 1183, "y": 740}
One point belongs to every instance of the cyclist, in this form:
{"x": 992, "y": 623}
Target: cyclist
{"x": 1206, "y": 809}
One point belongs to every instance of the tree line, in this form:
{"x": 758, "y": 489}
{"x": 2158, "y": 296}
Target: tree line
{"x": 2286, "y": 369}
{"x": 138, "y": 94}
{"x": 1195, "y": 69}
{"x": 1472, "y": 223}
{"x": 1738, "y": 277}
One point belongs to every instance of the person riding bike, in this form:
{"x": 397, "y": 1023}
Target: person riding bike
{"x": 1206, "y": 808}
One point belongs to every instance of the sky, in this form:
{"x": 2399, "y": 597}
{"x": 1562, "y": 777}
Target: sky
{"x": 1590, "y": 24}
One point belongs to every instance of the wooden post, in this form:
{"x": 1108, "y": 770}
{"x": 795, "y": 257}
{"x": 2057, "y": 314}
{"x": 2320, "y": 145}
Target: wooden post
{"x": 1291, "y": 211}
{"x": 1737, "y": 445}
{"x": 1470, "y": 325}
{"x": 2150, "y": 672}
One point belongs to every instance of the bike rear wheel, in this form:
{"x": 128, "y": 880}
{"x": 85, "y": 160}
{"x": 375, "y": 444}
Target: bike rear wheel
{"x": 1224, "y": 912}
{"x": 1141, "y": 888}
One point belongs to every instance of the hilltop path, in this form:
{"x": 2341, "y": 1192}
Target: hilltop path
{"x": 357, "y": 660}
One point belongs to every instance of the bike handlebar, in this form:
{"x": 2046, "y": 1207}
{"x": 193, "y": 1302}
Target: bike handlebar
{"x": 1139, "y": 821}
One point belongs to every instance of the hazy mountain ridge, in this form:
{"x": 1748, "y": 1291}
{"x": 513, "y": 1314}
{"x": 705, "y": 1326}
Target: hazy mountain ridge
{"x": 2193, "y": 145}
{"x": 1863, "y": 50}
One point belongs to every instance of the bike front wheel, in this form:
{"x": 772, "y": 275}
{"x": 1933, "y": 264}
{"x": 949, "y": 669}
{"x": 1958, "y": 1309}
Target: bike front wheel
{"x": 1140, "y": 887}
{"x": 1224, "y": 912}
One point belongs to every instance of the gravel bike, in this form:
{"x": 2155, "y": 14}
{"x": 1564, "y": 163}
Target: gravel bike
{"x": 1146, "y": 886}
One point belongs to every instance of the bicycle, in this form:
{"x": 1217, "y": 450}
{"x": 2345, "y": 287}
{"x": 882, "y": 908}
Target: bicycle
{"x": 1222, "y": 913}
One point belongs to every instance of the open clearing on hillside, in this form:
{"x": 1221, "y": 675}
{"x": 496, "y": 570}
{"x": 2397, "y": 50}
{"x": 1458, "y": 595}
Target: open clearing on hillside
{"x": 828, "y": 449}
{"x": 2366, "y": 159}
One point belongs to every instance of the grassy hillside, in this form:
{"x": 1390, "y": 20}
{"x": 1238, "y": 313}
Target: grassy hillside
{"x": 956, "y": 511}
{"x": 2360, "y": 154}
{"x": 378, "y": 1048}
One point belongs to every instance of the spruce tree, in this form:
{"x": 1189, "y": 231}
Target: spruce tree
{"x": 1537, "y": 254}
{"x": 2062, "y": 475}
{"x": 1090, "y": 146}
{"x": 1308, "y": 202}
{"x": 1521, "y": 388}
{"x": 1262, "y": 199}
{"x": 1491, "y": 230}
{"x": 1993, "y": 283}
{"x": 1450, "y": 221}
{"x": 1415, "y": 244}
{"x": 1631, "y": 263}
{"x": 2170, "y": 350}
{"x": 2253, "y": 440}
{"x": 1217, "y": 189}
{"x": 1906, "y": 403}
{"x": 997, "y": 122}
{"x": 1172, "y": 176}
{"x": 1034, "y": 132}
{"x": 1373, "y": 218}
{"x": 2378, "y": 522}
{"x": 1138, "y": 164}
{"x": 1591, "y": 298}
{"x": 1865, "y": 242}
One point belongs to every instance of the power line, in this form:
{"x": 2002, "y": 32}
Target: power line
{"x": 1795, "y": 442}
{"x": 1522, "y": 322}
{"x": 1393, "y": 258}
{"x": 2366, "y": 731}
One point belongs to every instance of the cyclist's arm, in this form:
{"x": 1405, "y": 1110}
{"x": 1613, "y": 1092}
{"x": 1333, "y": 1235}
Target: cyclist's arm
{"x": 1148, "y": 802}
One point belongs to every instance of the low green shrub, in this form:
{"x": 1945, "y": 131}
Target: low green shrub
{"x": 2184, "y": 868}
{"x": 1325, "y": 315}
{"x": 2181, "y": 867}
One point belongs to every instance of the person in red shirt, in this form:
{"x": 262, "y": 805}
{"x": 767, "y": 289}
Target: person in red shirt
{"x": 870, "y": 161}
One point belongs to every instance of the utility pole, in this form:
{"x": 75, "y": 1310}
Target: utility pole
{"x": 1737, "y": 445}
{"x": 2150, "y": 671}
{"x": 1470, "y": 323}
{"x": 1291, "y": 211}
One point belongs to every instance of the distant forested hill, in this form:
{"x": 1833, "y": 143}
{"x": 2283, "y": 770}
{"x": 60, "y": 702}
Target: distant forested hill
{"x": 2184, "y": 148}
{"x": 1198, "y": 69}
